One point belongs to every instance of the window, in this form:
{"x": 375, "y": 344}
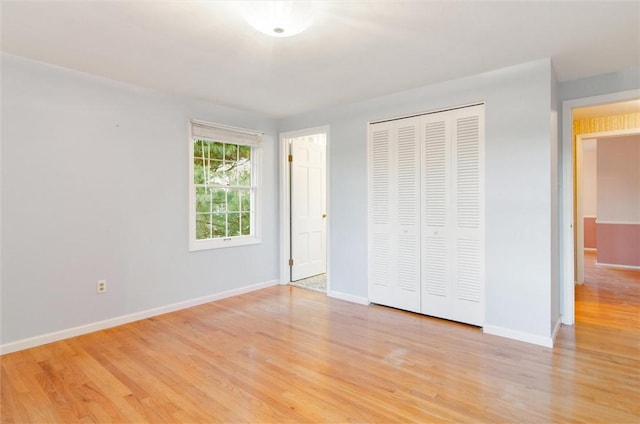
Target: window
{"x": 223, "y": 186}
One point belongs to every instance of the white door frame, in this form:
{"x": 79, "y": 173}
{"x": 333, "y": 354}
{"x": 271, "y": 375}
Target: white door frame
{"x": 285, "y": 218}
{"x": 567, "y": 289}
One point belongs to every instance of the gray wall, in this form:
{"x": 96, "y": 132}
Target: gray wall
{"x": 623, "y": 80}
{"x": 95, "y": 186}
{"x": 519, "y": 149}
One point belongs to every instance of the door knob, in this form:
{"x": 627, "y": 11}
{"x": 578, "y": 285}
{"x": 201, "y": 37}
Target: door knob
{"x": 324, "y": 215}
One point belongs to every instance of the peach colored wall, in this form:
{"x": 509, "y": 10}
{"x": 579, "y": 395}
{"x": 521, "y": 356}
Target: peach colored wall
{"x": 619, "y": 244}
{"x": 618, "y": 176}
{"x": 590, "y": 239}
{"x": 619, "y": 200}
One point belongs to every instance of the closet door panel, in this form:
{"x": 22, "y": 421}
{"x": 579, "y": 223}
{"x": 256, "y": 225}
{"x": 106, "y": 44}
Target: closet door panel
{"x": 380, "y": 213}
{"x": 394, "y": 202}
{"x": 468, "y": 210}
{"x": 407, "y": 231}
{"x": 436, "y": 220}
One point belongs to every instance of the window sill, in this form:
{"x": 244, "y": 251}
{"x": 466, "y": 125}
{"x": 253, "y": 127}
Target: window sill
{"x": 197, "y": 245}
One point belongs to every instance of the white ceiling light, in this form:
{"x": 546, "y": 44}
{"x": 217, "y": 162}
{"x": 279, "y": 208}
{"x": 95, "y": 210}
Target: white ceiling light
{"x": 280, "y": 18}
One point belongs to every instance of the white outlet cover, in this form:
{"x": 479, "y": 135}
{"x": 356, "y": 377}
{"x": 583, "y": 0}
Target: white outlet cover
{"x": 102, "y": 286}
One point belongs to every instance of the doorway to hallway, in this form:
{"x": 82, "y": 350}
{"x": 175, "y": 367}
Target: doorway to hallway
{"x": 595, "y": 116}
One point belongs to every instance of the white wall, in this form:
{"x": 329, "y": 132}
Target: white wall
{"x": 619, "y": 179}
{"x": 95, "y": 186}
{"x": 519, "y": 187}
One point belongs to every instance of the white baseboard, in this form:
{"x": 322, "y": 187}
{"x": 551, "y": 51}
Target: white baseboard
{"x": 348, "y": 297}
{"x": 125, "y": 319}
{"x": 632, "y": 267}
{"x": 519, "y": 335}
{"x": 567, "y": 320}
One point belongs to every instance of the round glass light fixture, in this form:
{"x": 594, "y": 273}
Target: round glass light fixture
{"x": 279, "y": 18}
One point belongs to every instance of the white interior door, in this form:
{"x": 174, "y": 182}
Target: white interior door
{"x": 308, "y": 206}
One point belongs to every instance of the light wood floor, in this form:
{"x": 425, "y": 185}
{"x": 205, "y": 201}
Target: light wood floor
{"x": 285, "y": 354}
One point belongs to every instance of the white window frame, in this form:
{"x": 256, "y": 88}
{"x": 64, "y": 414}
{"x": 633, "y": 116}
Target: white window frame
{"x": 231, "y": 135}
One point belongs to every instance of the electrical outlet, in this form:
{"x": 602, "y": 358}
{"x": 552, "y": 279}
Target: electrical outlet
{"x": 102, "y": 286}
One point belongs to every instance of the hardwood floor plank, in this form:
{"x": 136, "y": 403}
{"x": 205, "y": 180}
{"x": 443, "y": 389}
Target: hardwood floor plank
{"x": 22, "y": 379}
{"x": 291, "y": 355}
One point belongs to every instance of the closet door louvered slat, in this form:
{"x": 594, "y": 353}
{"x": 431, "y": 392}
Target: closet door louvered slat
{"x": 436, "y": 223}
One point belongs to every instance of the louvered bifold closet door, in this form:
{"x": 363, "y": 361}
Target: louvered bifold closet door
{"x": 468, "y": 215}
{"x": 452, "y": 215}
{"x": 407, "y": 230}
{"x": 394, "y": 193}
{"x": 381, "y": 200}
{"x": 437, "y": 228}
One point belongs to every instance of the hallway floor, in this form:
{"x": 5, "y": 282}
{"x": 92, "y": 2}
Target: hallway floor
{"x": 609, "y": 297}
{"x": 316, "y": 283}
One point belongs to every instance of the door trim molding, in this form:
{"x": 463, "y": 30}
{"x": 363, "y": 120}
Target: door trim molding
{"x": 285, "y": 218}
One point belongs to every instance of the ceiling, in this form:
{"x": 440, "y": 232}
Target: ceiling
{"x": 355, "y": 50}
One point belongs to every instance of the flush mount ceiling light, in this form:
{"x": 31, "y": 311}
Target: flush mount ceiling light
{"x": 280, "y": 18}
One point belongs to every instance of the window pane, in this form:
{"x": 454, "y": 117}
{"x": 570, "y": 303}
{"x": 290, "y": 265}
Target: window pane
{"x": 245, "y": 224}
{"x": 197, "y": 148}
{"x": 219, "y": 200}
{"x": 245, "y": 200}
{"x": 216, "y": 150}
{"x": 233, "y": 200}
{"x": 234, "y": 224}
{"x": 231, "y": 152}
{"x": 203, "y": 226}
{"x": 244, "y": 173}
{"x": 216, "y": 173}
{"x": 203, "y": 200}
{"x": 232, "y": 175}
{"x": 219, "y": 225}
{"x": 244, "y": 152}
{"x": 198, "y": 171}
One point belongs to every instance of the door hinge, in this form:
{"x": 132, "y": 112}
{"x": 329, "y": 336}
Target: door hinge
{"x": 290, "y": 158}
{"x": 290, "y": 262}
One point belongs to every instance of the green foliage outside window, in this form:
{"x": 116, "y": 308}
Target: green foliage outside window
{"x": 224, "y": 195}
